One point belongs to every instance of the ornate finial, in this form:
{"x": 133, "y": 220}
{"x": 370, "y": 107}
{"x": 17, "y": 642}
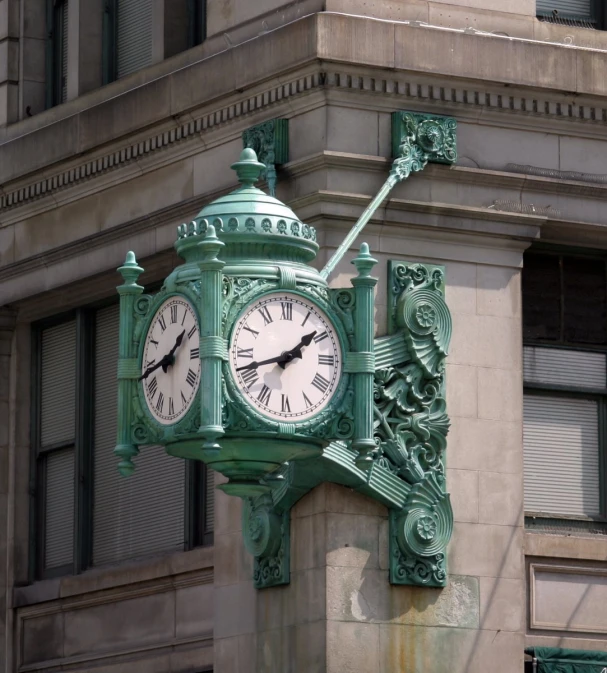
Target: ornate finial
{"x": 364, "y": 262}
{"x": 248, "y": 168}
{"x": 130, "y": 270}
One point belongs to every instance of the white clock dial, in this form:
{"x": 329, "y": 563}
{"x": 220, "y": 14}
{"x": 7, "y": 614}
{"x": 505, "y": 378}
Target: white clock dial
{"x": 170, "y": 368}
{"x": 285, "y": 357}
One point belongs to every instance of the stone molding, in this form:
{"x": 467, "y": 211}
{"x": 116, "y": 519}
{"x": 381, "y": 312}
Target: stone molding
{"x": 403, "y": 89}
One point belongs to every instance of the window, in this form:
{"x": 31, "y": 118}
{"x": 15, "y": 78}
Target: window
{"x": 565, "y": 375}
{"x": 56, "y": 51}
{"x": 131, "y": 35}
{"x": 585, "y": 13}
{"x": 86, "y": 513}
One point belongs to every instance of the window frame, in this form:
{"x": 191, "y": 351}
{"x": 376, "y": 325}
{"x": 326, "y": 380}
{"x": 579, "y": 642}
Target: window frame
{"x": 54, "y": 52}
{"x": 195, "y": 533}
{"x": 599, "y": 14}
{"x": 596, "y": 394}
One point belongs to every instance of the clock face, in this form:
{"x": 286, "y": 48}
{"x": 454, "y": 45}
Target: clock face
{"x": 285, "y": 357}
{"x": 170, "y": 368}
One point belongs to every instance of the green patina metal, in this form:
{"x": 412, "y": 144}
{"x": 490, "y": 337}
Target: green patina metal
{"x": 383, "y": 431}
{"x": 270, "y": 141}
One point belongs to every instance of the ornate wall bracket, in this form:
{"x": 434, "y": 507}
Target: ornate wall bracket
{"x": 416, "y": 140}
{"x": 270, "y": 140}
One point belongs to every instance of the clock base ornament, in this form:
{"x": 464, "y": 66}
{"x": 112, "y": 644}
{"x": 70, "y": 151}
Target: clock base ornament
{"x": 248, "y": 361}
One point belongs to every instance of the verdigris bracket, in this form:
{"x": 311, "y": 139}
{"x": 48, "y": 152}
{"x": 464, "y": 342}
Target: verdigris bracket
{"x": 270, "y": 140}
{"x": 416, "y": 140}
{"x": 410, "y": 428}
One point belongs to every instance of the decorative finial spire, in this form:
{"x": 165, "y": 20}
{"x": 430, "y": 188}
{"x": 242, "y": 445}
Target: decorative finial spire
{"x": 364, "y": 262}
{"x": 248, "y": 168}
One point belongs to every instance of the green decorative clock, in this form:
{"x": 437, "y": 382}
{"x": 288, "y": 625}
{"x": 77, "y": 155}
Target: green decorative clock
{"x": 248, "y": 361}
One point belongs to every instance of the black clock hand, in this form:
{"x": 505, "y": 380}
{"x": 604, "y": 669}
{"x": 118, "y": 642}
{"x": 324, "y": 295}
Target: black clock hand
{"x": 165, "y": 361}
{"x": 285, "y": 357}
{"x": 169, "y": 357}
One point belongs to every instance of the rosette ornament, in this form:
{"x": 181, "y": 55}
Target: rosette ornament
{"x": 427, "y": 322}
{"x": 421, "y": 533}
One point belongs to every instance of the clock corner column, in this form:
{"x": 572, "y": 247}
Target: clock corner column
{"x": 213, "y": 347}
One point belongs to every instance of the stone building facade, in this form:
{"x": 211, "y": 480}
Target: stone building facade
{"x": 106, "y": 147}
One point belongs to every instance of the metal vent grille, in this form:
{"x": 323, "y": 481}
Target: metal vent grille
{"x": 555, "y": 366}
{"x": 209, "y": 512}
{"x": 143, "y": 514}
{"x": 561, "y": 455}
{"x": 58, "y": 384}
{"x": 59, "y": 509}
{"x": 134, "y": 36}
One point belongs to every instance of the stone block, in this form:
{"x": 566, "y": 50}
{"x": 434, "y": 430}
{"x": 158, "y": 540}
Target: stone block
{"x": 462, "y": 391}
{"x": 347, "y": 501}
{"x": 454, "y": 16}
{"x": 310, "y": 648}
{"x": 486, "y": 550}
{"x": 500, "y": 394}
{"x": 486, "y": 58}
{"x": 364, "y": 595}
{"x": 211, "y": 169}
{"x": 42, "y": 638}
{"x": 34, "y": 52}
{"x": 449, "y": 650}
{"x": 308, "y": 542}
{"x": 501, "y": 498}
{"x": 570, "y": 546}
{"x": 352, "y": 647}
{"x": 499, "y": 291}
{"x": 492, "y": 147}
{"x": 308, "y": 133}
{"x": 228, "y": 552}
{"x": 352, "y": 130}
{"x": 412, "y": 10}
{"x": 460, "y": 292}
{"x": 503, "y": 604}
{"x": 486, "y": 341}
{"x": 314, "y": 502}
{"x": 352, "y": 540}
{"x": 477, "y": 444}
{"x": 356, "y": 40}
{"x": 7, "y": 243}
{"x": 234, "y": 610}
{"x": 583, "y": 155}
{"x": 463, "y": 487}
{"x": 280, "y": 50}
{"x": 124, "y": 114}
{"x": 194, "y": 611}
{"x": 226, "y": 653}
{"x": 125, "y": 624}
{"x": 591, "y": 72}
{"x": 525, "y": 7}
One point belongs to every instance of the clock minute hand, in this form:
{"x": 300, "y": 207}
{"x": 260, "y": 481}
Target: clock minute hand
{"x": 254, "y": 365}
{"x": 161, "y": 363}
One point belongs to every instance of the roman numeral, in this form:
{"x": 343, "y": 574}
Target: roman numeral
{"x": 153, "y": 342}
{"x": 264, "y": 395}
{"x": 287, "y": 310}
{"x": 160, "y": 403}
{"x": 149, "y": 363}
{"x": 321, "y": 336}
{"x": 326, "y": 360}
{"x": 285, "y": 406}
{"x": 171, "y": 407}
{"x": 152, "y": 386}
{"x": 249, "y": 376}
{"x": 185, "y": 312}
{"x": 306, "y": 400}
{"x": 173, "y": 314}
{"x": 320, "y": 382}
{"x": 194, "y": 353}
{"x": 305, "y": 319}
{"x": 162, "y": 322}
{"x": 191, "y": 377}
{"x": 265, "y": 314}
{"x": 244, "y": 353}
{"x": 191, "y": 331}
{"x": 253, "y": 332}
{"x": 183, "y": 399}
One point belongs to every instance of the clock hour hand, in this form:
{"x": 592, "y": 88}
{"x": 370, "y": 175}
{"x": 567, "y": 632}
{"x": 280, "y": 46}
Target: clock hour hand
{"x": 296, "y": 352}
{"x": 169, "y": 357}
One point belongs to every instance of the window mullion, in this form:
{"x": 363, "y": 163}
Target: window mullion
{"x": 83, "y": 440}
{"x": 36, "y": 519}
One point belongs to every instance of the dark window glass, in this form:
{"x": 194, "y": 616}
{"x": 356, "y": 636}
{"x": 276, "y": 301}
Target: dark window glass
{"x": 542, "y": 297}
{"x": 585, "y": 314}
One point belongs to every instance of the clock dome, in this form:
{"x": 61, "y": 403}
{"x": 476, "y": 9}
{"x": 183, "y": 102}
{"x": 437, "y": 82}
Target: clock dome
{"x": 258, "y": 230}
